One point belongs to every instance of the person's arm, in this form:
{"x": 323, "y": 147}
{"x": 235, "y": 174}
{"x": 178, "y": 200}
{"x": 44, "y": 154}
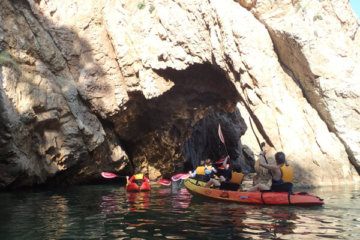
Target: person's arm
{"x": 266, "y": 165}
{"x": 193, "y": 174}
{"x": 131, "y": 179}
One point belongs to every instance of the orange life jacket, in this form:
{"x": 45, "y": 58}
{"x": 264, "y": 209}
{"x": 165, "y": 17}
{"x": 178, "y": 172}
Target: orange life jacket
{"x": 236, "y": 177}
{"x": 286, "y": 173}
{"x": 201, "y": 170}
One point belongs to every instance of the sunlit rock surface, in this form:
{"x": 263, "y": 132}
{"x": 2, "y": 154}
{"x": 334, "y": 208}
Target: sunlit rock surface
{"x": 110, "y": 85}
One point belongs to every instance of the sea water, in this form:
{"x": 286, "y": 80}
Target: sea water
{"x": 109, "y": 212}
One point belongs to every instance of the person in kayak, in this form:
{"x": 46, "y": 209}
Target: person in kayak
{"x": 281, "y": 173}
{"x": 204, "y": 172}
{"x": 223, "y": 172}
{"x": 138, "y": 177}
{"x": 228, "y": 179}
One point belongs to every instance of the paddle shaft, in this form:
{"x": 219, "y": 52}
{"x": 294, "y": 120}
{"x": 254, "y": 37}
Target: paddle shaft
{"x": 261, "y": 145}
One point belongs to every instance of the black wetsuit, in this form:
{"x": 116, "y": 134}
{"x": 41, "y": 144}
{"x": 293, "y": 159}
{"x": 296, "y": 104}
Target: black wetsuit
{"x": 281, "y": 186}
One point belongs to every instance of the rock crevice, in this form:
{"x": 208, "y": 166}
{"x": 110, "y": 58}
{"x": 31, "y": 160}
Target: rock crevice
{"x": 108, "y": 86}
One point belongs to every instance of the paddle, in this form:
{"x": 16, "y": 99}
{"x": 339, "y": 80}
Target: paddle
{"x": 110, "y": 175}
{"x": 222, "y": 167}
{"x": 222, "y": 139}
{"x": 164, "y": 182}
{"x": 175, "y": 178}
{"x": 261, "y": 145}
{"x": 221, "y": 161}
{"x": 180, "y": 176}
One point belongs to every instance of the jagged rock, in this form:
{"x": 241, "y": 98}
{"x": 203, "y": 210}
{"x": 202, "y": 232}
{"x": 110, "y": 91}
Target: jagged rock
{"x": 107, "y": 85}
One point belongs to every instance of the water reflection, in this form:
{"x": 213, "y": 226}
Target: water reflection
{"x": 108, "y": 204}
{"x": 138, "y": 201}
{"x": 109, "y": 212}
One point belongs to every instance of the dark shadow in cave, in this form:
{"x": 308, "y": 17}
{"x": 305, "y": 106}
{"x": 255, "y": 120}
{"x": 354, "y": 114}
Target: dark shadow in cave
{"x": 156, "y": 129}
{"x": 205, "y": 142}
{"x": 196, "y": 89}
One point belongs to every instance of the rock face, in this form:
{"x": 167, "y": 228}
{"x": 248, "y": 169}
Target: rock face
{"x": 109, "y": 85}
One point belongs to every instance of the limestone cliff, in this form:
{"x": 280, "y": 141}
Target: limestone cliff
{"x": 107, "y": 85}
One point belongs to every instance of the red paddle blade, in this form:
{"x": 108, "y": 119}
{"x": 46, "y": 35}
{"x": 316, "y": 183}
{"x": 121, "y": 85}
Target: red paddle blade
{"x": 179, "y": 176}
{"x": 164, "y": 182}
{"x": 108, "y": 175}
{"x": 222, "y": 167}
{"x": 176, "y": 177}
{"x": 221, "y": 160}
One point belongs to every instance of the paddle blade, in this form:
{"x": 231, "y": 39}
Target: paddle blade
{"x": 221, "y": 160}
{"x": 221, "y": 136}
{"x": 108, "y": 175}
{"x": 176, "y": 177}
{"x": 180, "y": 176}
{"x": 222, "y": 167}
{"x": 185, "y": 176}
{"x": 164, "y": 182}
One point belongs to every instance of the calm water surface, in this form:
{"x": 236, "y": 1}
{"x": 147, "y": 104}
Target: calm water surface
{"x": 109, "y": 212}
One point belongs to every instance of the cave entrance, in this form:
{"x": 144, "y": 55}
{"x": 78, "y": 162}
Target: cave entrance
{"x": 157, "y": 132}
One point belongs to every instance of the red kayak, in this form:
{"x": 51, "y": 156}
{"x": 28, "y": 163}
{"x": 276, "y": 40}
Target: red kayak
{"x": 268, "y": 198}
{"x": 134, "y": 187}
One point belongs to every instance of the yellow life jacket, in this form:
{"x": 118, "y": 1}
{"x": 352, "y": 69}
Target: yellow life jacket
{"x": 236, "y": 177}
{"x": 286, "y": 173}
{"x": 201, "y": 170}
{"x": 139, "y": 176}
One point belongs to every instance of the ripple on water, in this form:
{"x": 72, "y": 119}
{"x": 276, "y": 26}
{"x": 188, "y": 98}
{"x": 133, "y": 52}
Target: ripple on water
{"x": 108, "y": 212}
